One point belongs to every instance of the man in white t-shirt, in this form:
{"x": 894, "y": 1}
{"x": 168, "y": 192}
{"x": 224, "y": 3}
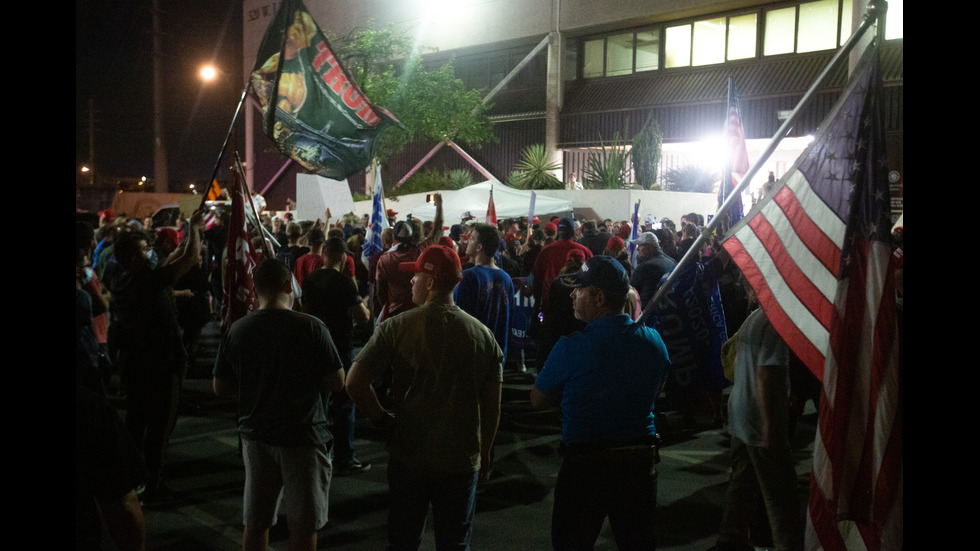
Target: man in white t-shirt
{"x": 762, "y": 460}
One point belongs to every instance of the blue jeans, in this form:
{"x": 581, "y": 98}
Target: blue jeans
{"x": 341, "y": 409}
{"x": 453, "y": 500}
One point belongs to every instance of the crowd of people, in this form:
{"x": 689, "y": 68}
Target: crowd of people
{"x": 416, "y": 340}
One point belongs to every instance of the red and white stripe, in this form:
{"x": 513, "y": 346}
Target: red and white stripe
{"x": 790, "y": 253}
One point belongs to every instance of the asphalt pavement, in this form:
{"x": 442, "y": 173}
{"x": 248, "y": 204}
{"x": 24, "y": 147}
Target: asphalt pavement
{"x": 513, "y": 510}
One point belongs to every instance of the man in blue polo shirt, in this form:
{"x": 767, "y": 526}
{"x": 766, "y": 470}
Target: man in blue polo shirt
{"x": 605, "y": 378}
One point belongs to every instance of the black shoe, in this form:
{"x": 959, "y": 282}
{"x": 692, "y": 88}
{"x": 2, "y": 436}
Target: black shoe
{"x": 350, "y": 467}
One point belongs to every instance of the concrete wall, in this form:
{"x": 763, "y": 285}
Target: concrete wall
{"x": 588, "y": 203}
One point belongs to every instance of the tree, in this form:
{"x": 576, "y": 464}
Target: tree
{"x": 645, "y": 155}
{"x": 432, "y": 104}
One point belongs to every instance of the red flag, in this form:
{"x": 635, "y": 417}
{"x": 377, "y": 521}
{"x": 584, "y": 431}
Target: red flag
{"x": 817, "y": 253}
{"x": 242, "y": 257}
{"x": 491, "y": 211}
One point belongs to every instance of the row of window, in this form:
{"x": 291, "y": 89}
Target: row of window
{"x": 804, "y": 27}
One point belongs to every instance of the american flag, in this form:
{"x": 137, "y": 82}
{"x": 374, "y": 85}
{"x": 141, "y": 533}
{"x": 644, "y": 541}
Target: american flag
{"x": 243, "y": 256}
{"x": 738, "y": 156}
{"x": 379, "y": 221}
{"x": 817, "y": 253}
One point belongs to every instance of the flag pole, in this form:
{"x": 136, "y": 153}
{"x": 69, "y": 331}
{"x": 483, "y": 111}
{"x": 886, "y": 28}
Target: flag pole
{"x": 267, "y": 248}
{"x": 726, "y": 176}
{"x": 875, "y": 10}
{"x": 224, "y": 146}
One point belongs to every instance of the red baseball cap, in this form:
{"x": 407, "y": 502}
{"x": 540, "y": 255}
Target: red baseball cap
{"x": 615, "y": 244}
{"x": 624, "y": 231}
{"x": 169, "y": 234}
{"x": 439, "y": 261}
{"x": 575, "y": 254}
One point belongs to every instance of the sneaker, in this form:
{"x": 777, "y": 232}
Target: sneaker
{"x": 349, "y": 468}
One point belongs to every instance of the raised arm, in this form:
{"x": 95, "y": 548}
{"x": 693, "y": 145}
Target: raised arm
{"x": 436, "y": 233}
{"x": 190, "y": 248}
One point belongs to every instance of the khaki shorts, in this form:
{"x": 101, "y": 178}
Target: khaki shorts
{"x": 297, "y": 478}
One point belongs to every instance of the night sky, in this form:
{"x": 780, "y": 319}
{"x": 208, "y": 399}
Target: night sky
{"x": 114, "y": 71}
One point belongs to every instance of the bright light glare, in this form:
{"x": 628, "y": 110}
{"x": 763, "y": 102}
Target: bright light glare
{"x": 208, "y": 72}
{"x": 446, "y": 11}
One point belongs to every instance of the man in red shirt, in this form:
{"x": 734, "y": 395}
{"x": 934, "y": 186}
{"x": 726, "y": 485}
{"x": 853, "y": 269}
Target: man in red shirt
{"x": 551, "y": 259}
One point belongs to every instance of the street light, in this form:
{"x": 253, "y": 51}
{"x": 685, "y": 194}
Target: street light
{"x": 208, "y": 73}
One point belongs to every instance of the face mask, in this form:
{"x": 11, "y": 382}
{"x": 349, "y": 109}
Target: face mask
{"x": 151, "y": 255}
{"x": 88, "y": 275}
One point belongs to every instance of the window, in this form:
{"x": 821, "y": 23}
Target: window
{"x": 895, "y": 20}
{"x": 846, "y": 19}
{"x": 647, "y": 51}
{"x": 678, "y": 47}
{"x": 621, "y": 54}
{"x": 806, "y": 26}
{"x": 780, "y": 32}
{"x": 742, "y": 31}
{"x": 592, "y": 64}
{"x": 711, "y": 41}
{"x": 818, "y": 26}
{"x": 811, "y": 26}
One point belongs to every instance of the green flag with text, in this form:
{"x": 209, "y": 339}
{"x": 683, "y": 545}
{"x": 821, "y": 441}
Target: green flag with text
{"x": 314, "y": 112}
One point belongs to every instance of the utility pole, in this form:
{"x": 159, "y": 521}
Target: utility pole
{"x": 160, "y": 148}
{"x": 91, "y": 140}
{"x": 553, "y": 90}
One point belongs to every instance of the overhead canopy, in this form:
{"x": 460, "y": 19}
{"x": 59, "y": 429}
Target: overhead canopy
{"x": 508, "y": 203}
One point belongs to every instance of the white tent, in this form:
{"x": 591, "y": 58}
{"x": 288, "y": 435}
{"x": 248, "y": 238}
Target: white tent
{"x": 508, "y": 203}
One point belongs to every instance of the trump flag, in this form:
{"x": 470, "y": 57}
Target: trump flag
{"x": 313, "y": 110}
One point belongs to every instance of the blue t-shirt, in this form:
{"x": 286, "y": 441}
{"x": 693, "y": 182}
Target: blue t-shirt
{"x": 485, "y": 293}
{"x": 607, "y": 376}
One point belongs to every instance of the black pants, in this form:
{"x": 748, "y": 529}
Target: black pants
{"x": 153, "y": 394}
{"x": 619, "y": 484}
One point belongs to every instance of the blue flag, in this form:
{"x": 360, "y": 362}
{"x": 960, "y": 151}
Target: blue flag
{"x": 372, "y": 241}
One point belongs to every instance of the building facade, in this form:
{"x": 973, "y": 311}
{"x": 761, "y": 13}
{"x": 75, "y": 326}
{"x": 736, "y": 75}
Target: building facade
{"x": 607, "y": 67}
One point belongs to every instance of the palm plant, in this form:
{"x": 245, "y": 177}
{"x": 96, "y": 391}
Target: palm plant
{"x": 691, "y": 178}
{"x": 608, "y": 166}
{"x": 536, "y": 170}
{"x": 459, "y": 178}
